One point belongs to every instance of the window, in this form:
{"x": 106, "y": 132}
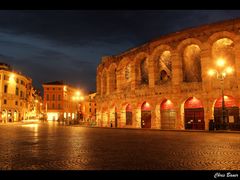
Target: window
{"x": 59, "y": 97}
{"x": 5, "y": 88}
{"x": 47, "y": 97}
{"x": 53, "y": 97}
{"x": 20, "y": 103}
{"x": 5, "y": 101}
{"x": 16, "y": 103}
{"x": 16, "y": 91}
{"x": 90, "y": 104}
{"x": 53, "y": 106}
{"x": 59, "y": 88}
{"x": 53, "y": 88}
{"x": 59, "y": 106}
{"x": 21, "y": 94}
{"x": 17, "y": 80}
{"x": 47, "y": 88}
{"x": 90, "y": 109}
{"x": 21, "y": 81}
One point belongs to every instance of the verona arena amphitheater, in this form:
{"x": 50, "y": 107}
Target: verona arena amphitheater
{"x": 165, "y": 84}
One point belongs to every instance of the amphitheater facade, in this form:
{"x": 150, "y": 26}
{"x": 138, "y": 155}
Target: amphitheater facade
{"x": 164, "y": 84}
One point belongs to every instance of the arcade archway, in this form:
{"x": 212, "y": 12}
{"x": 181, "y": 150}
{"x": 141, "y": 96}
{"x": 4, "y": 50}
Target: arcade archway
{"x": 231, "y": 112}
{"x": 168, "y": 115}
{"x": 146, "y": 115}
{"x": 194, "y": 114}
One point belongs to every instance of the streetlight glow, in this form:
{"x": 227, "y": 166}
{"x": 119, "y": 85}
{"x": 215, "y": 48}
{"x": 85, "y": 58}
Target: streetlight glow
{"x": 221, "y": 75}
{"x": 221, "y": 62}
{"x": 229, "y": 70}
{"x": 211, "y": 72}
{"x": 78, "y": 93}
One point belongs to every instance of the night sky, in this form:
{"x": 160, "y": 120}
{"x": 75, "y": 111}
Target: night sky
{"x": 68, "y": 45}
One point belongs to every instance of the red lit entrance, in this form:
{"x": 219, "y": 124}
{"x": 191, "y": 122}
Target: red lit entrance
{"x": 194, "y": 114}
{"x": 231, "y": 113}
{"x": 146, "y": 115}
{"x": 168, "y": 115}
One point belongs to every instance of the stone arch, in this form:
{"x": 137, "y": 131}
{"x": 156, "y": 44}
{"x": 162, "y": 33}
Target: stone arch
{"x": 161, "y": 60}
{"x": 146, "y": 115}
{"x": 182, "y": 45}
{"x": 190, "y": 49}
{"x": 112, "y": 78}
{"x": 191, "y": 64}
{"x": 104, "y": 82}
{"x": 142, "y": 69}
{"x": 229, "y": 118}
{"x": 168, "y": 114}
{"x": 194, "y": 114}
{"x": 219, "y": 35}
{"x": 123, "y": 81}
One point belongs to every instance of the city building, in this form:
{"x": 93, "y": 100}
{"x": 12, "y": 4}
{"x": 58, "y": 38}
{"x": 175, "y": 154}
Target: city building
{"x": 168, "y": 83}
{"x": 62, "y": 102}
{"x": 16, "y": 95}
{"x": 89, "y": 109}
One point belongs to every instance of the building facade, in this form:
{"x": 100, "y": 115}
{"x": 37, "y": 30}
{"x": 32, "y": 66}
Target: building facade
{"x": 16, "y": 96}
{"x": 164, "y": 84}
{"x": 89, "y": 109}
{"x": 61, "y": 101}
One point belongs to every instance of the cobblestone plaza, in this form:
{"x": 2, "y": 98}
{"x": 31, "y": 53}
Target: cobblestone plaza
{"x": 49, "y": 146}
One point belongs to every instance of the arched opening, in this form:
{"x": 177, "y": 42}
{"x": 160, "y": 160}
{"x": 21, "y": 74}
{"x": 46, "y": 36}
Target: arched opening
{"x": 143, "y": 71}
{"x": 231, "y": 112}
{"x": 162, "y": 67}
{"x": 168, "y": 115}
{"x": 112, "y": 79}
{"x": 104, "y": 83}
{"x": 191, "y": 64}
{"x": 224, "y": 48}
{"x": 146, "y": 115}
{"x": 194, "y": 114}
{"x": 129, "y": 115}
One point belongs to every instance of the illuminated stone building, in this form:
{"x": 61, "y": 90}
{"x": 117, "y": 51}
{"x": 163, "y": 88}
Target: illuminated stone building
{"x": 89, "y": 108}
{"x": 164, "y": 83}
{"x": 61, "y": 101}
{"x": 15, "y": 92}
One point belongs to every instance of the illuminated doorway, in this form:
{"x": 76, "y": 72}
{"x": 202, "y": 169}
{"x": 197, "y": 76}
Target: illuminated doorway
{"x": 194, "y": 114}
{"x": 146, "y": 115}
{"x": 168, "y": 115}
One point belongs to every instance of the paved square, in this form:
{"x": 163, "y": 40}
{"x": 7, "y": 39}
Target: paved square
{"x": 52, "y": 147}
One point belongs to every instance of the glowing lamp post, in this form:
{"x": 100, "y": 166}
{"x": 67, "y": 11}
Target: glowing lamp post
{"x": 78, "y": 97}
{"x": 221, "y": 73}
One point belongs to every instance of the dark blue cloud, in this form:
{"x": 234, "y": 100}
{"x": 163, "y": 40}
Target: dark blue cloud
{"x": 68, "y": 45}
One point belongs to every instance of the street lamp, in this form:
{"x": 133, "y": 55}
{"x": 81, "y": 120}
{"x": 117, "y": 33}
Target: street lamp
{"x": 221, "y": 73}
{"x": 78, "y": 98}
